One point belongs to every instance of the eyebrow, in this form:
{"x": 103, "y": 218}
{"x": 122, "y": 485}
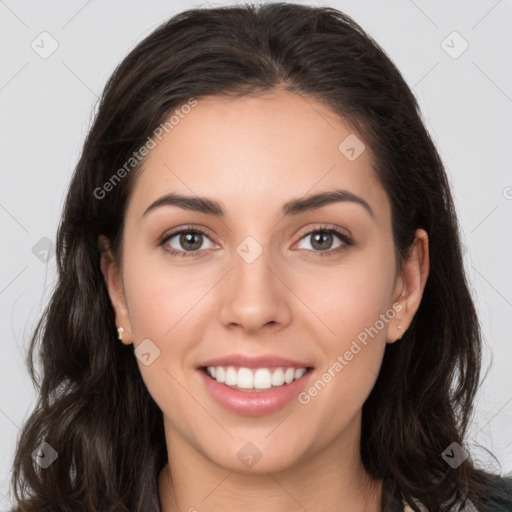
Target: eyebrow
{"x": 293, "y": 207}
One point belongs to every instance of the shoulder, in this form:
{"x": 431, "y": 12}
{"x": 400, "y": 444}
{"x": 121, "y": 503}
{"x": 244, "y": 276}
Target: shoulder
{"x": 495, "y": 495}
{"x": 467, "y": 507}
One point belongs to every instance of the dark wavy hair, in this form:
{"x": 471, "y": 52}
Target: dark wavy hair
{"x": 92, "y": 402}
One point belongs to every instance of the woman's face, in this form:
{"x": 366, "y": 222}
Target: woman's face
{"x": 261, "y": 281}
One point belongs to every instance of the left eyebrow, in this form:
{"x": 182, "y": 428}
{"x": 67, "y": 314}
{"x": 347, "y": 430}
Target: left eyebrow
{"x": 293, "y": 207}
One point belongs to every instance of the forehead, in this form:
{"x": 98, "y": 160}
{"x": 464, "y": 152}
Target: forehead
{"x": 254, "y": 151}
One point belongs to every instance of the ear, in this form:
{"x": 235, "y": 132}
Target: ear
{"x": 112, "y": 276}
{"x": 410, "y": 285}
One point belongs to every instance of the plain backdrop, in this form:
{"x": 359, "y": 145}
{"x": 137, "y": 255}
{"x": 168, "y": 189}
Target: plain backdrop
{"x": 47, "y": 104}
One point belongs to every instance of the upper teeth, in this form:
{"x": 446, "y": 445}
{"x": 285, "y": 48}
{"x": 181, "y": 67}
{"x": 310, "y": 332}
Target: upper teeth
{"x": 261, "y": 378}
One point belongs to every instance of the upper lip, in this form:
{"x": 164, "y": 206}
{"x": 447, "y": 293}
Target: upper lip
{"x": 263, "y": 361}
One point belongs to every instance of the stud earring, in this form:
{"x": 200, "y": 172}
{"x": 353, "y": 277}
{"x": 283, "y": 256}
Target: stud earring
{"x": 120, "y": 331}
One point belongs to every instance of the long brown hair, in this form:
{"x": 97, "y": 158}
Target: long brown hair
{"x": 93, "y": 407}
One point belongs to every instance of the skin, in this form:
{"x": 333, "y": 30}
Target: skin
{"x": 252, "y": 155}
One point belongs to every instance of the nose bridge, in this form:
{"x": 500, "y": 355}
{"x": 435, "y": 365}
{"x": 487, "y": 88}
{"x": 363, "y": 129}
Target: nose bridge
{"x": 253, "y": 274}
{"x": 254, "y": 295}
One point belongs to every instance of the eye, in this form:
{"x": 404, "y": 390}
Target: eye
{"x": 190, "y": 239}
{"x": 322, "y": 240}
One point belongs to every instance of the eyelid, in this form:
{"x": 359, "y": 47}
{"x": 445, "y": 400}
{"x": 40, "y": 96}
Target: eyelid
{"x": 323, "y": 226}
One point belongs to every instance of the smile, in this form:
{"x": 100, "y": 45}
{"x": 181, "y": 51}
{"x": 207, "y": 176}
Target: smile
{"x": 250, "y": 378}
{"x": 239, "y": 392}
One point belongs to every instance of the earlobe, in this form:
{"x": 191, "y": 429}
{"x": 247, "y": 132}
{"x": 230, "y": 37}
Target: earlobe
{"x": 112, "y": 276}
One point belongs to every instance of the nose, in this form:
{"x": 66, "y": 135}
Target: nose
{"x": 254, "y": 293}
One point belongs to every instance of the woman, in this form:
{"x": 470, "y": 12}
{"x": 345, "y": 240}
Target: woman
{"x": 248, "y": 370}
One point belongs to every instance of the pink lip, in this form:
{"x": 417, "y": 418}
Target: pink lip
{"x": 265, "y": 361}
{"x": 253, "y": 403}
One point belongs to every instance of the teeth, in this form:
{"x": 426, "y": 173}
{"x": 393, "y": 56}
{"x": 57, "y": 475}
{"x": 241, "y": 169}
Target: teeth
{"x": 261, "y": 378}
{"x": 231, "y": 377}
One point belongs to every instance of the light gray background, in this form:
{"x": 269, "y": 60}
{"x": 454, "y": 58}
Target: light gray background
{"x": 46, "y": 107}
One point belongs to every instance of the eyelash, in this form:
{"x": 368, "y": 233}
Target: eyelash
{"x": 347, "y": 242}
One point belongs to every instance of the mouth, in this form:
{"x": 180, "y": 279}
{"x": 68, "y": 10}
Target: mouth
{"x": 254, "y": 385}
{"x": 256, "y": 391}
{"x": 255, "y": 380}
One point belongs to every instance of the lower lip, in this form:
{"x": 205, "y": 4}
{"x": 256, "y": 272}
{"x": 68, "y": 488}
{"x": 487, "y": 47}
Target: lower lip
{"x": 254, "y": 403}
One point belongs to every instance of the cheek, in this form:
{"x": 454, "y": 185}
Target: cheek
{"x": 349, "y": 315}
{"x": 351, "y": 340}
{"x": 161, "y": 295}
{"x": 167, "y": 306}
{"x": 164, "y": 304}
{"x": 348, "y": 298}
